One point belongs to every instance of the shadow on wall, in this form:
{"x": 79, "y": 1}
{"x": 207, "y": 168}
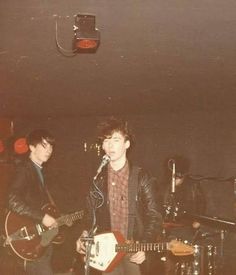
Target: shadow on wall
{"x": 220, "y": 198}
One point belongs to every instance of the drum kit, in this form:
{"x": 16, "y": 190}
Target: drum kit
{"x": 206, "y": 234}
{"x": 208, "y": 247}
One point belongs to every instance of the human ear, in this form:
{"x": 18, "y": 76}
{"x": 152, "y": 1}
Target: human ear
{"x": 127, "y": 144}
{"x": 32, "y": 148}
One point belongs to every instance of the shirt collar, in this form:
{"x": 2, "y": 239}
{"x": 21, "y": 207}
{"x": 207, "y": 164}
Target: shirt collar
{"x": 36, "y": 164}
{"x": 121, "y": 171}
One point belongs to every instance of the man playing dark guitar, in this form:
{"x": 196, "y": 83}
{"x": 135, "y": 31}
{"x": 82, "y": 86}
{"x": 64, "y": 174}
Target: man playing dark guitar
{"x": 29, "y": 193}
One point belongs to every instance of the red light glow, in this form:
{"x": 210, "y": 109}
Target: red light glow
{"x": 20, "y": 146}
{"x": 86, "y": 44}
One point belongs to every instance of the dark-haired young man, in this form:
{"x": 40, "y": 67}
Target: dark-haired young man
{"x": 187, "y": 196}
{"x": 130, "y": 205}
{"x": 28, "y": 193}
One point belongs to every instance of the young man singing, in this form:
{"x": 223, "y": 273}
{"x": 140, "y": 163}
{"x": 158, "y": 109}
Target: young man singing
{"x": 130, "y": 205}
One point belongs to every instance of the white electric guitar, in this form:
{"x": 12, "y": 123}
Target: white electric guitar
{"x": 108, "y": 249}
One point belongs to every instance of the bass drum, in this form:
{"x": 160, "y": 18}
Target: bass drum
{"x": 202, "y": 262}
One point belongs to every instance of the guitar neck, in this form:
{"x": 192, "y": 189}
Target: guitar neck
{"x": 135, "y": 247}
{"x": 70, "y": 218}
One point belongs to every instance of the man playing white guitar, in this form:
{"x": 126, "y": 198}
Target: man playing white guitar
{"x": 130, "y": 205}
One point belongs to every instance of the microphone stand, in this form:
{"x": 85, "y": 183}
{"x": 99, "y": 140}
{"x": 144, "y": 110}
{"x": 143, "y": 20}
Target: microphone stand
{"x": 90, "y": 241}
{"x": 221, "y": 250}
{"x": 96, "y": 200}
{"x": 173, "y": 179}
{"x": 171, "y": 205}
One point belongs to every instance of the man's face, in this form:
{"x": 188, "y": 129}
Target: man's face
{"x": 115, "y": 146}
{"x": 41, "y": 152}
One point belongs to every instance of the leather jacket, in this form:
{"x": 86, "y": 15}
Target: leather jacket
{"x": 27, "y": 195}
{"x": 144, "y": 218}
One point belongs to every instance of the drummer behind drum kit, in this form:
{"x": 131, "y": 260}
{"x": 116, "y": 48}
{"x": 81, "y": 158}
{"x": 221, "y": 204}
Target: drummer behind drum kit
{"x": 207, "y": 259}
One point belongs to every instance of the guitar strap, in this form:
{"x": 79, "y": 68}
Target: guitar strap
{"x": 49, "y": 196}
{"x": 44, "y": 186}
{"x": 133, "y": 196}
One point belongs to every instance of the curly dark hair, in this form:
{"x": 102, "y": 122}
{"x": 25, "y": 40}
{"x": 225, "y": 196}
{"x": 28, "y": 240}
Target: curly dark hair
{"x": 111, "y": 125}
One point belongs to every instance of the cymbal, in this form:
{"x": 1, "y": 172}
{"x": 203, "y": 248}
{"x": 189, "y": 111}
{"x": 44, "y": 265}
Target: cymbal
{"x": 199, "y": 177}
{"x": 215, "y": 221}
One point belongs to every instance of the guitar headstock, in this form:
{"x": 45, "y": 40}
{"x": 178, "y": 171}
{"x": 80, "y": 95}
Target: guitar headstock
{"x": 179, "y": 248}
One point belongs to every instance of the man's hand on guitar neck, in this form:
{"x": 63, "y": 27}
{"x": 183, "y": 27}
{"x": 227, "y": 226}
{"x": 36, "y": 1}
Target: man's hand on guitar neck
{"x": 138, "y": 257}
{"x": 49, "y": 221}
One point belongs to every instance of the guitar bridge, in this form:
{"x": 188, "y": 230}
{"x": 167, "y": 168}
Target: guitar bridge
{"x": 24, "y": 234}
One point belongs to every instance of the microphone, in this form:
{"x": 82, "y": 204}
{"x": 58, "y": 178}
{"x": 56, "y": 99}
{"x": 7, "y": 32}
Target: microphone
{"x": 105, "y": 160}
{"x": 173, "y": 178}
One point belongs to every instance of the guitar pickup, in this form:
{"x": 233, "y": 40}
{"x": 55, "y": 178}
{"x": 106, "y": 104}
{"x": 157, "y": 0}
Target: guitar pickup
{"x": 97, "y": 248}
{"x": 40, "y": 229}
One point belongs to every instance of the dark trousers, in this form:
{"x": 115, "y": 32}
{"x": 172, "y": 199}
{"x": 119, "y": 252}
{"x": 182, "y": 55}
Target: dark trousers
{"x": 41, "y": 266}
{"x": 125, "y": 267}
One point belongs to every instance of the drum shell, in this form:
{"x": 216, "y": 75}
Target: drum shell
{"x": 202, "y": 262}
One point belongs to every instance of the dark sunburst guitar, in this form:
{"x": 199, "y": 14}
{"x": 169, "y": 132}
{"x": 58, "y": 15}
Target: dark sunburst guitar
{"x": 29, "y": 239}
